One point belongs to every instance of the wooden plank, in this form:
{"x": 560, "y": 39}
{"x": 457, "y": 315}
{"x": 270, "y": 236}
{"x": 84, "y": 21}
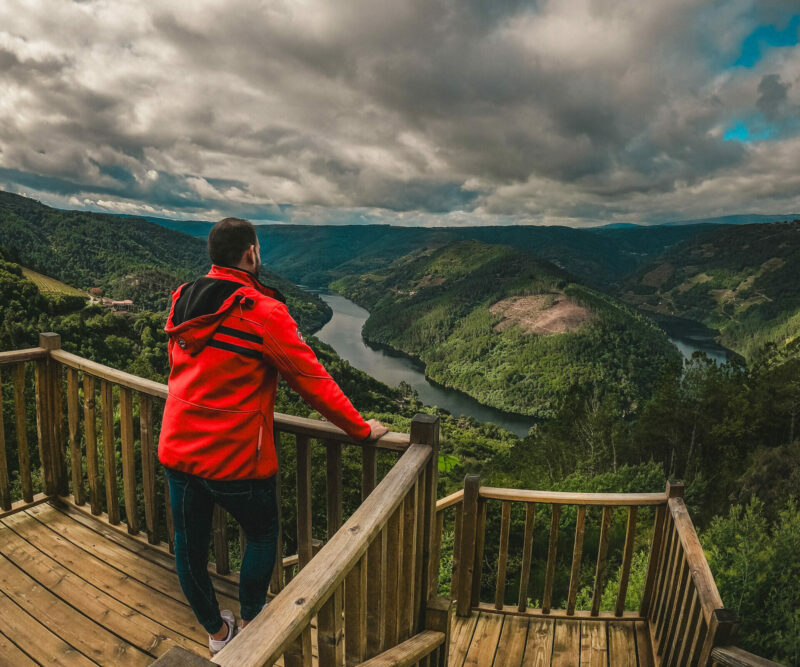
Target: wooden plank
{"x": 484, "y": 641}
{"x": 333, "y": 456}
{"x": 660, "y": 586}
{"x": 577, "y": 553}
{"x": 276, "y": 582}
{"x": 109, "y": 455}
{"x": 148, "y": 467}
{"x": 369, "y": 470}
{"x": 569, "y": 498}
{"x": 421, "y": 549}
{"x": 355, "y": 614}
{"x": 511, "y": 646}
{"x": 539, "y": 644}
{"x": 667, "y": 642}
{"x": 42, "y": 645}
{"x": 90, "y": 436}
{"x": 480, "y": 537}
{"x": 449, "y": 501}
{"x": 44, "y": 425}
{"x": 436, "y": 555}
{"x": 220, "y": 528}
{"x": 733, "y": 656}
{"x": 23, "y": 454}
{"x": 502, "y": 557}
{"x": 672, "y": 572}
{"x": 415, "y": 650}
{"x": 702, "y": 578}
{"x": 331, "y": 631}
{"x": 457, "y": 521}
{"x": 76, "y": 462}
{"x": 656, "y": 545}
{"x": 17, "y": 356}
{"x": 13, "y": 655}
{"x": 408, "y": 545}
{"x": 124, "y": 618}
{"x": 168, "y": 518}
{"x": 391, "y": 582}
{"x": 113, "y": 568}
{"x": 376, "y": 567}
{"x": 22, "y": 505}
{"x": 621, "y": 644}
{"x": 552, "y": 549}
{"x": 73, "y": 627}
{"x": 304, "y": 548}
{"x": 602, "y": 550}
{"x": 527, "y": 548}
{"x": 684, "y": 652}
{"x": 128, "y": 459}
{"x": 5, "y": 489}
{"x": 466, "y": 561}
{"x": 644, "y": 648}
{"x": 580, "y": 614}
{"x": 566, "y": 643}
{"x": 463, "y": 630}
{"x": 59, "y": 444}
{"x": 135, "y": 559}
{"x": 627, "y": 556}
{"x": 594, "y": 644}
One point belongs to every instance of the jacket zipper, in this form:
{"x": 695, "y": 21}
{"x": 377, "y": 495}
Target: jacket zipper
{"x": 258, "y": 446}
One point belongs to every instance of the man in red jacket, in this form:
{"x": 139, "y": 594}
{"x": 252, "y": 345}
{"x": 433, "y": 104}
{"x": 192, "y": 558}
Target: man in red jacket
{"x": 229, "y": 338}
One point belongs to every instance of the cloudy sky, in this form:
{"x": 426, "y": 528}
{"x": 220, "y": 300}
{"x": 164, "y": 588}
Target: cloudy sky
{"x": 409, "y": 112}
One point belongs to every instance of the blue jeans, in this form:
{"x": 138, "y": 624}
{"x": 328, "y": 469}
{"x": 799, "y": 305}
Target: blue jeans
{"x": 252, "y": 502}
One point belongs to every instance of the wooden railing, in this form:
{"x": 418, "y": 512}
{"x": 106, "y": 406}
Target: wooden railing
{"x": 375, "y": 565}
{"x": 369, "y": 590}
{"x": 470, "y": 565}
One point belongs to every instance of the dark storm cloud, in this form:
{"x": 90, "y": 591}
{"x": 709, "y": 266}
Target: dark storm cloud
{"x": 772, "y": 95}
{"x": 419, "y": 112}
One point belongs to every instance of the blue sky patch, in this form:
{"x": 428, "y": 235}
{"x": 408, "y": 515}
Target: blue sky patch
{"x": 745, "y": 132}
{"x": 758, "y": 42}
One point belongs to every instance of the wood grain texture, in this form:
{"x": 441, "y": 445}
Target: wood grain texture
{"x": 109, "y": 454}
{"x": 594, "y": 644}
{"x": 23, "y": 454}
{"x": 577, "y": 552}
{"x": 539, "y": 644}
{"x": 552, "y": 550}
{"x": 566, "y": 644}
{"x": 483, "y": 646}
{"x": 90, "y": 438}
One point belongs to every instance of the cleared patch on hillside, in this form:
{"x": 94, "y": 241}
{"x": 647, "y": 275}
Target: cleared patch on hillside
{"x": 545, "y": 314}
{"x": 48, "y": 285}
{"x": 658, "y": 276}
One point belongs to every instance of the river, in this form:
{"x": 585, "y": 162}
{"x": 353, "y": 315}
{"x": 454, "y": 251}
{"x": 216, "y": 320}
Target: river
{"x": 343, "y": 334}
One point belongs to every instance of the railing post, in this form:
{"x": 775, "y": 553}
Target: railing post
{"x": 425, "y": 431}
{"x": 657, "y": 543}
{"x": 721, "y": 629}
{"x": 469, "y": 530}
{"x": 46, "y": 396}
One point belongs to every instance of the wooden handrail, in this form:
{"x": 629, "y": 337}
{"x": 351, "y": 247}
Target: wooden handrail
{"x": 299, "y": 425}
{"x": 29, "y": 354}
{"x": 704, "y": 583}
{"x": 733, "y": 656}
{"x": 569, "y": 498}
{"x": 449, "y": 501}
{"x": 283, "y": 620}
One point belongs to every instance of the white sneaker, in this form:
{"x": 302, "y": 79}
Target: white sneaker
{"x": 216, "y": 645}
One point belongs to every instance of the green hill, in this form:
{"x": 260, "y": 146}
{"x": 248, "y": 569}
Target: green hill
{"x": 130, "y": 258}
{"x": 741, "y": 281}
{"x": 513, "y": 332}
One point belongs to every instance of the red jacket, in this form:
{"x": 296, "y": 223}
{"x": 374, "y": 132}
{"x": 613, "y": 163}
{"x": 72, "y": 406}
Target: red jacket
{"x": 229, "y": 337}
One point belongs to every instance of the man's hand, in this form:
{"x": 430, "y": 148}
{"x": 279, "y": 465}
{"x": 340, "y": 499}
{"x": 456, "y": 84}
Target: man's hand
{"x": 378, "y": 429}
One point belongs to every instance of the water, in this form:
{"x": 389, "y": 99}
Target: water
{"x": 686, "y": 346}
{"x": 343, "y": 334}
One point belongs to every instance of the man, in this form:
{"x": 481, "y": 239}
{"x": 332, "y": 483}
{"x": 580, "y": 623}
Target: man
{"x": 229, "y": 338}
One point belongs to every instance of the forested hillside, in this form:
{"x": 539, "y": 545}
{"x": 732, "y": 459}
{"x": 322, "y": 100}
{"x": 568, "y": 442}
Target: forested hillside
{"x": 514, "y": 333}
{"x": 130, "y": 258}
{"x": 742, "y": 281}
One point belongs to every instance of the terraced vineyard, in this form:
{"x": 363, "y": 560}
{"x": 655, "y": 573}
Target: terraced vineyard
{"x": 49, "y": 285}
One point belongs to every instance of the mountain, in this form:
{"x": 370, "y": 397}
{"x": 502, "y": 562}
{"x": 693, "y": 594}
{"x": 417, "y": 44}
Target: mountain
{"x": 514, "y": 332}
{"x": 128, "y": 257}
{"x": 741, "y": 281}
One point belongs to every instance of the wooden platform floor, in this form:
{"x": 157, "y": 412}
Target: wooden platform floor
{"x": 75, "y": 592}
{"x": 487, "y": 639}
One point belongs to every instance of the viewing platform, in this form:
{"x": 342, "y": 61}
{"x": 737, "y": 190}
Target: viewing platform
{"x": 403, "y": 578}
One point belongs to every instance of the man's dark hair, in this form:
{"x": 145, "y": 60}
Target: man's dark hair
{"x": 229, "y": 239}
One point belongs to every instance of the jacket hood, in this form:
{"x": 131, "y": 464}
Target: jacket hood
{"x": 199, "y": 307}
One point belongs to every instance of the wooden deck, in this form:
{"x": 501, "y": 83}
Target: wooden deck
{"x": 75, "y": 592}
{"x": 504, "y": 640}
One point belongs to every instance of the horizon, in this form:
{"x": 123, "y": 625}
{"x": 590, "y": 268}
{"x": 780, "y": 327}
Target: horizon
{"x": 542, "y": 113}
